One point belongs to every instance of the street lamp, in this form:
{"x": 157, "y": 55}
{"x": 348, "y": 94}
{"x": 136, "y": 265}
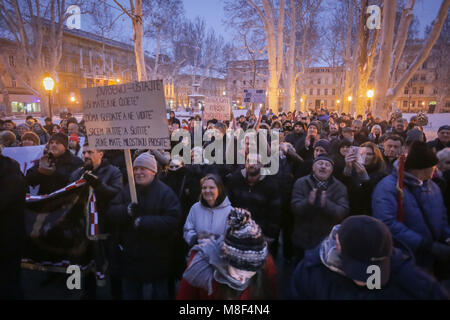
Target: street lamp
{"x": 350, "y": 98}
{"x": 370, "y": 94}
{"x": 49, "y": 83}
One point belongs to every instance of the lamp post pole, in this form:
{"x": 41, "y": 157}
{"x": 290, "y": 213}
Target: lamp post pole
{"x": 50, "y": 111}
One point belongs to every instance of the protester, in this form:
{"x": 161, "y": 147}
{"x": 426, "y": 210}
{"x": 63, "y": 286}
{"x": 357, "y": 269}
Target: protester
{"x": 360, "y": 132}
{"x": 305, "y": 145}
{"x": 106, "y": 182}
{"x": 147, "y": 232}
{"x": 337, "y": 269}
{"x": 296, "y": 135}
{"x": 8, "y": 139}
{"x": 399, "y": 128}
{"x": 419, "y": 220}
{"x": 74, "y": 144}
{"x": 29, "y": 139}
{"x": 235, "y": 266}
{"x": 21, "y": 129}
{"x": 442, "y": 141}
{"x": 12, "y": 227}
{"x": 319, "y": 201}
{"x": 392, "y": 148}
{"x": 55, "y": 168}
{"x": 44, "y": 137}
{"x": 442, "y": 177}
{"x": 207, "y": 218}
{"x": 257, "y": 193}
{"x": 375, "y": 134}
{"x": 363, "y": 177}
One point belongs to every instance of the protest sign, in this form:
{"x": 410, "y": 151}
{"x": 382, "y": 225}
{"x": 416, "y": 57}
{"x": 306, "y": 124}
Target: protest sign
{"x": 217, "y": 108}
{"x": 255, "y": 95}
{"x": 126, "y": 116}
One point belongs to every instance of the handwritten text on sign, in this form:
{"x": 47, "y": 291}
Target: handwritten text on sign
{"x": 217, "y": 108}
{"x": 127, "y": 116}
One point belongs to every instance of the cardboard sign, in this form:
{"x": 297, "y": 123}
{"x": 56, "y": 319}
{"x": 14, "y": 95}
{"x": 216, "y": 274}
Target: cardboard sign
{"x": 217, "y": 108}
{"x": 255, "y": 95}
{"x": 126, "y": 116}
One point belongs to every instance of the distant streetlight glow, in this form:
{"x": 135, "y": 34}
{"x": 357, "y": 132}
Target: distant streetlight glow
{"x": 350, "y": 98}
{"x": 370, "y": 93}
{"x": 338, "y": 101}
{"x": 72, "y": 99}
{"x": 118, "y": 80}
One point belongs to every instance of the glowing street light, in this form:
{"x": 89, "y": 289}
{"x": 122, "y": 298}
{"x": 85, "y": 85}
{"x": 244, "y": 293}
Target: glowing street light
{"x": 370, "y": 93}
{"x": 118, "y": 80}
{"x": 72, "y": 99}
{"x": 338, "y": 101}
{"x": 350, "y": 98}
{"x": 49, "y": 84}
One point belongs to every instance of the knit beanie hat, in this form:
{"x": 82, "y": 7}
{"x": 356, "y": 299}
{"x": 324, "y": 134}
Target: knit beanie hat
{"x": 324, "y": 144}
{"x": 325, "y": 158}
{"x": 31, "y": 136}
{"x": 317, "y": 124}
{"x": 244, "y": 246}
{"x": 146, "y": 160}
{"x": 61, "y": 138}
{"x": 414, "y": 135}
{"x": 420, "y": 156}
{"x": 74, "y": 137}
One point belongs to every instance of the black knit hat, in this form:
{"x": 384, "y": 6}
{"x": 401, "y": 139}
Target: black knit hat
{"x": 324, "y": 144}
{"x": 61, "y": 138}
{"x": 420, "y": 156}
{"x": 365, "y": 241}
{"x": 244, "y": 246}
{"x": 325, "y": 158}
{"x": 317, "y": 124}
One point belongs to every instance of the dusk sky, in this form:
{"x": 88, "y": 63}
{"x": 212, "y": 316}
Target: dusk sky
{"x": 212, "y": 11}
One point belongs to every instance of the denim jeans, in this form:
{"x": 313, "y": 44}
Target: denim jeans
{"x": 156, "y": 290}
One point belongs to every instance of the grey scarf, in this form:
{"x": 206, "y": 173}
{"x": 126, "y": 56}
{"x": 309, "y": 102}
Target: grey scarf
{"x": 329, "y": 253}
{"x": 208, "y": 265}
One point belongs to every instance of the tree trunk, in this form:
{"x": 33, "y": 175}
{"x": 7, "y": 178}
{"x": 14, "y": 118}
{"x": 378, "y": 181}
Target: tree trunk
{"x": 138, "y": 41}
{"x": 381, "y": 107}
{"x": 5, "y": 95}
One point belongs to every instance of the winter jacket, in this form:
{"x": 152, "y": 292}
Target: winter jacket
{"x": 311, "y": 222}
{"x": 312, "y": 280}
{"x": 437, "y": 145}
{"x": 442, "y": 179}
{"x": 303, "y": 151}
{"x": 419, "y": 201}
{"x": 147, "y": 249}
{"x": 66, "y": 164}
{"x": 12, "y": 226}
{"x": 205, "y": 219}
{"x": 262, "y": 200}
{"x": 110, "y": 185}
{"x": 186, "y": 291}
{"x": 293, "y": 138}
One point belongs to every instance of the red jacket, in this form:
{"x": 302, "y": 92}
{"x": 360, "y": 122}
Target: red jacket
{"x": 187, "y": 292}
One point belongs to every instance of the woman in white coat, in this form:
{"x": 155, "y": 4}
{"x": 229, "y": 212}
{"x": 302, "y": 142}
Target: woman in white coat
{"x": 208, "y": 217}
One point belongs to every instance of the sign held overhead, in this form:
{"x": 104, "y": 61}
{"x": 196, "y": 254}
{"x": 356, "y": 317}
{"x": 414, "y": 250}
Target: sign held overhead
{"x": 217, "y": 108}
{"x": 255, "y": 95}
{"x": 126, "y": 116}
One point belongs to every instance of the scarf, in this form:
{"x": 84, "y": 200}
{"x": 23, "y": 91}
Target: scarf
{"x": 329, "y": 254}
{"x": 208, "y": 265}
{"x": 321, "y": 185}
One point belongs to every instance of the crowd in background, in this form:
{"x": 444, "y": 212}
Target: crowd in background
{"x": 206, "y": 230}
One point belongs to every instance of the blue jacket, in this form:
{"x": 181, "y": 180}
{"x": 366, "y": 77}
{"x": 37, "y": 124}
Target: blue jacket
{"x": 418, "y": 201}
{"x": 312, "y": 280}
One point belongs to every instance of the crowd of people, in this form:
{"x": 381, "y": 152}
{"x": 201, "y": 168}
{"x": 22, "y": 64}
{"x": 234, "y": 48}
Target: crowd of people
{"x": 349, "y": 193}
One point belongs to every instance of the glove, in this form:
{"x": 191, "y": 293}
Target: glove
{"x": 440, "y": 250}
{"x": 132, "y": 209}
{"x": 91, "y": 179}
{"x": 46, "y": 167}
{"x": 137, "y": 222}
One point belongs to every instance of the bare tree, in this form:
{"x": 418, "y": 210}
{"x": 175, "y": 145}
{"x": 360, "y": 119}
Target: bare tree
{"x": 268, "y": 15}
{"x": 36, "y": 27}
{"x": 386, "y": 88}
{"x": 135, "y": 13}
{"x": 162, "y": 18}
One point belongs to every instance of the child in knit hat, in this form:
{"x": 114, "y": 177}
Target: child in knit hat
{"x": 235, "y": 266}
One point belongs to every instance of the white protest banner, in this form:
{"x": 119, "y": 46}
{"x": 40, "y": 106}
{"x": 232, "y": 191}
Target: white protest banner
{"x": 255, "y": 95}
{"x": 126, "y": 116}
{"x": 27, "y": 157}
{"x": 217, "y": 108}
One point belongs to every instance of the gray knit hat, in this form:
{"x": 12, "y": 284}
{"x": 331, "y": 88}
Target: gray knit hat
{"x": 146, "y": 160}
{"x": 244, "y": 246}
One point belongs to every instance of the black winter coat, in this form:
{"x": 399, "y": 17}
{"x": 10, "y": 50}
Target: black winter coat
{"x": 12, "y": 226}
{"x": 110, "y": 185}
{"x": 313, "y": 223}
{"x": 147, "y": 249}
{"x": 312, "y": 280}
{"x": 262, "y": 200}
{"x": 65, "y": 166}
